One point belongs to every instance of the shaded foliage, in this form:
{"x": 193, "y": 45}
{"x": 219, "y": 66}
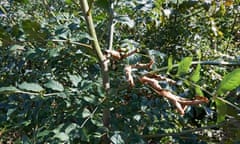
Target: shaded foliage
{"x": 50, "y": 79}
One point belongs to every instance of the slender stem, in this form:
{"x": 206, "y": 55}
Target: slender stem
{"x": 72, "y": 42}
{"x": 219, "y": 63}
{"x": 209, "y": 93}
{"x": 155, "y": 136}
{"x": 96, "y": 46}
{"x": 90, "y": 116}
{"x": 111, "y": 25}
{"x": 35, "y": 93}
{"x": 3, "y": 9}
{"x": 88, "y": 17}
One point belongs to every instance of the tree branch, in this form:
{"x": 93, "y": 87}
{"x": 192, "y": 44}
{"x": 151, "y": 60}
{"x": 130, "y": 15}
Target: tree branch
{"x": 111, "y": 25}
{"x": 96, "y": 46}
{"x": 158, "y": 136}
{"x": 217, "y": 63}
{"x": 72, "y": 42}
{"x": 91, "y": 28}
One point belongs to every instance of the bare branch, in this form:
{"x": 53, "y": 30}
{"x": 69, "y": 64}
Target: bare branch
{"x": 128, "y": 71}
{"x": 180, "y": 103}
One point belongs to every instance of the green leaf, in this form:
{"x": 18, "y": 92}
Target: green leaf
{"x": 125, "y": 20}
{"x": 86, "y": 113}
{"x": 30, "y": 87}
{"x": 221, "y": 110}
{"x": 8, "y": 89}
{"x": 104, "y": 4}
{"x": 229, "y": 82}
{"x": 62, "y": 136}
{"x": 198, "y": 91}
{"x": 117, "y": 138}
{"x": 170, "y": 63}
{"x": 16, "y": 48}
{"x": 184, "y": 66}
{"x": 68, "y": 1}
{"x": 75, "y": 79}
{"x": 54, "y": 85}
{"x": 196, "y": 74}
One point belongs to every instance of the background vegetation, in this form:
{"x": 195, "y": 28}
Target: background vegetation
{"x": 51, "y": 74}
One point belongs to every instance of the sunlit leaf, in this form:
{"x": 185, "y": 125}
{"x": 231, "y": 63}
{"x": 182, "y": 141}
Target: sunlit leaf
{"x": 30, "y": 87}
{"x": 126, "y": 20}
{"x": 170, "y": 63}
{"x": 221, "y": 110}
{"x": 54, "y": 85}
{"x": 196, "y": 74}
{"x": 68, "y": 1}
{"x": 184, "y": 66}
{"x": 117, "y": 138}
{"x": 230, "y": 81}
{"x": 75, "y": 79}
{"x": 86, "y": 113}
{"x": 61, "y": 136}
{"x": 198, "y": 91}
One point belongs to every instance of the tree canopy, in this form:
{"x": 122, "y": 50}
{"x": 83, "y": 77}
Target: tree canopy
{"x": 119, "y": 71}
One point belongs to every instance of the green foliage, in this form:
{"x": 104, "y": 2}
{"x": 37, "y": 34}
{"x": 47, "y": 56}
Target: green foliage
{"x": 51, "y": 84}
{"x": 184, "y": 66}
{"x": 170, "y": 63}
{"x": 230, "y": 81}
{"x": 30, "y": 87}
{"x": 8, "y": 89}
{"x": 54, "y": 85}
{"x": 221, "y": 110}
{"x": 196, "y": 74}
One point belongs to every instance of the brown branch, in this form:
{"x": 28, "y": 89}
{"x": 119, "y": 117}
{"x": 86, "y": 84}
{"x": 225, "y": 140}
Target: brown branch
{"x": 128, "y": 71}
{"x": 129, "y": 53}
{"x": 180, "y": 103}
{"x": 161, "y": 78}
{"x": 118, "y": 55}
{"x": 146, "y": 66}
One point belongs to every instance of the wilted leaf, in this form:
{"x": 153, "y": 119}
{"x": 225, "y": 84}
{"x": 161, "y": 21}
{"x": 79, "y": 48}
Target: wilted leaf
{"x": 229, "y": 82}
{"x": 184, "y": 66}
{"x": 54, "y": 85}
{"x": 30, "y": 87}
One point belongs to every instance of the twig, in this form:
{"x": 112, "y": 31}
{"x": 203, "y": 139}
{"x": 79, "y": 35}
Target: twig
{"x": 35, "y": 93}
{"x": 111, "y": 25}
{"x": 72, "y": 42}
{"x": 209, "y": 93}
{"x": 218, "y": 63}
{"x": 90, "y": 116}
{"x": 157, "y": 136}
{"x": 180, "y": 103}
